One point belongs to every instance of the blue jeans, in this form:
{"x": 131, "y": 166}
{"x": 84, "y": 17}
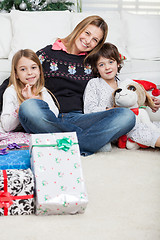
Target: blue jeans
{"x": 93, "y": 130}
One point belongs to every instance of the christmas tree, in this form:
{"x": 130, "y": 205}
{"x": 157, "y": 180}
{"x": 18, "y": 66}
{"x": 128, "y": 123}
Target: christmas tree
{"x": 35, "y": 5}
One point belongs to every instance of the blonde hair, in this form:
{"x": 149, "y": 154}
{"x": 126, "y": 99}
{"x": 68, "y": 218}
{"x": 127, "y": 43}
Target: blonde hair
{"x": 28, "y": 53}
{"x": 91, "y": 20}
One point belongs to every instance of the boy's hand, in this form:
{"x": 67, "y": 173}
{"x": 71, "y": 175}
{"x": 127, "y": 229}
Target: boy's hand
{"x": 108, "y": 108}
{"x": 157, "y": 104}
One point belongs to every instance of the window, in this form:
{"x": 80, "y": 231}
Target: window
{"x": 133, "y": 6}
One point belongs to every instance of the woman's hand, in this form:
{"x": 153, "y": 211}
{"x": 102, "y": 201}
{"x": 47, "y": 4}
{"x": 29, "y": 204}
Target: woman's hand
{"x": 157, "y": 104}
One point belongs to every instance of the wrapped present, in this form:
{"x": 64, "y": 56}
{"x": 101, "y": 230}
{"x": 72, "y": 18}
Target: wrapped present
{"x": 14, "y": 156}
{"x": 11, "y": 137}
{"x": 16, "y": 192}
{"x": 59, "y": 183}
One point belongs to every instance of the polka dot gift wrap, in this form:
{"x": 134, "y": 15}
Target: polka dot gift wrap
{"x": 56, "y": 164}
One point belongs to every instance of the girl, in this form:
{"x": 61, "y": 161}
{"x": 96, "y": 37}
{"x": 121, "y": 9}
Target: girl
{"x": 26, "y": 82}
{"x": 66, "y": 74}
{"x": 98, "y": 93}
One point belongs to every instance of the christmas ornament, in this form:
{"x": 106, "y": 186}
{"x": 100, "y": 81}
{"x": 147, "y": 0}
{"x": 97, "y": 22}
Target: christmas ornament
{"x": 23, "y": 5}
{"x": 36, "y": 5}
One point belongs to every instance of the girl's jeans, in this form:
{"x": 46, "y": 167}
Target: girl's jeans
{"x": 93, "y": 130}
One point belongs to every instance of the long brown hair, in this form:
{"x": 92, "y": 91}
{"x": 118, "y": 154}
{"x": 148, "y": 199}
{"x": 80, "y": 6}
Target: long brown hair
{"x": 93, "y": 20}
{"x": 28, "y": 53}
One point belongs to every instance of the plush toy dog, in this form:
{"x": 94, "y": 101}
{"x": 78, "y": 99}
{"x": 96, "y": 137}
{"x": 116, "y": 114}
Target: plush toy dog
{"x": 131, "y": 94}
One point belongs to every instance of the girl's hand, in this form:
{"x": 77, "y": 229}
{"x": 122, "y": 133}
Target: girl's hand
{"x": 26, "y": 91}
{"x": 17, "y": 110}
{"x": 157, "y": 104}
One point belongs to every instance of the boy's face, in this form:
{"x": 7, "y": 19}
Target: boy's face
{"x": 107, "y": 68}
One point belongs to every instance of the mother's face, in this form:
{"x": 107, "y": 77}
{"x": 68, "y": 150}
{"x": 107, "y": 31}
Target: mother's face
{"x": 87, "y": 40}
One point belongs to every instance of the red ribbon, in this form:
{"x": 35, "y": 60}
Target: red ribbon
{"x": 6, "y": 198}
{"x": 135, "y": 110}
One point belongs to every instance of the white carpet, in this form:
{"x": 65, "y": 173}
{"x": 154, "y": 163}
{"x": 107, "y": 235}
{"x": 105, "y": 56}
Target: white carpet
{"x": 124, "y": 203}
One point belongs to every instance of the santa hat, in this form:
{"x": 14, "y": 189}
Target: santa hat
{"x": 149, "y": 86}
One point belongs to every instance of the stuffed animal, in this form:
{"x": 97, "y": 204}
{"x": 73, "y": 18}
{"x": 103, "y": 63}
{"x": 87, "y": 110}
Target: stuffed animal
{"x": 149, "y": 86}
{"x": 131, "y": 94}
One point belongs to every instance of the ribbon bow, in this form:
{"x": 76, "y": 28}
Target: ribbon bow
{"x": 10, "y": 146}
{"x": 13, "y": 145}
{"x": 3, "y": 151}
{"x": 64, "y": 144}
{"x": 5, "y": 200}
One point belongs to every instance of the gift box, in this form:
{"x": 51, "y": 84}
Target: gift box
{"x": 12, "y": 157}
{"x": 59, "y": 182}
{"x": 16, "y": 192}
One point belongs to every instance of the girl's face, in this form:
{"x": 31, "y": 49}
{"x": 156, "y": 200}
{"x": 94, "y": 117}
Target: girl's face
{"x": 87, "y": 40}
{"x": 27, "y": 71}
{"x": 107, "y": 68}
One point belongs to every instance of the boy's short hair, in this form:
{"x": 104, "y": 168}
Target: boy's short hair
{"x": 108, "y": 50}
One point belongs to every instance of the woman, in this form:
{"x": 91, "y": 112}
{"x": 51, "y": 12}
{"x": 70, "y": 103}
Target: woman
{"x": 66, "y": 74}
